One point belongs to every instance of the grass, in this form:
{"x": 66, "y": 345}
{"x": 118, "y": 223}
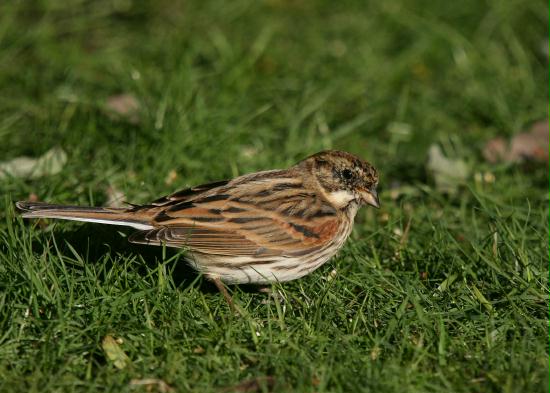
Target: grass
{"x": 433, "y": 292}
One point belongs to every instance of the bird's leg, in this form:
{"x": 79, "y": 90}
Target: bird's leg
{"x": 219, "y": 284}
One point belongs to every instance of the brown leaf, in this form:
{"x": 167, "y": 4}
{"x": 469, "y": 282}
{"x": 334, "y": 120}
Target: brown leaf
{"x": 152, "y": 383}
{"x": 124, "y": 105}
{"x": 114, "y": 352}
{"x": 530, "y": 145}
{"x": 171, "y": 177}
{"x": 199, "y": 350}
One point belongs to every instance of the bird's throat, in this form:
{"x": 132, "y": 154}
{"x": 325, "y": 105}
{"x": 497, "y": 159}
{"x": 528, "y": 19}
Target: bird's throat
{"x": 340, "y": 199}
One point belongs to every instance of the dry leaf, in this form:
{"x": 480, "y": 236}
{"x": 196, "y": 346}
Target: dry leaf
{"x": 531, "y": 145}
{"x": 151, "y": 383}
{"x": 124, "y": 105}
{"x": 332, "y": 275}
{"x": 171, "y": 177}
{"x": 199, "y": 350}
{"x": 114, "y": 352}
{"x": 50, "y": 163}
{"x": 448, "y": 173}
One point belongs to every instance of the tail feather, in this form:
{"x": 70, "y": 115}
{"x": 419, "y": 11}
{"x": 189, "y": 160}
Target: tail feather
{"x": 102, "y": 215}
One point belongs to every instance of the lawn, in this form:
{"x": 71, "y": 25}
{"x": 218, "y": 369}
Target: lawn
{"x": 443, "y": 289}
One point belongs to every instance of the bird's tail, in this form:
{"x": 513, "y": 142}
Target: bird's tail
{"x": 102, "y": 215}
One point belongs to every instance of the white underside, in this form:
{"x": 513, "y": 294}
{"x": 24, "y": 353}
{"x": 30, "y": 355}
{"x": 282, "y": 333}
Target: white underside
{"x": 257, "y": 274}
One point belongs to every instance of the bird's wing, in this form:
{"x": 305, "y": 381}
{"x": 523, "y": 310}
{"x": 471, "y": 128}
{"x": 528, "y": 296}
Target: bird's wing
{"x": 253, "y": 216}
{"x": 187, "y": 194}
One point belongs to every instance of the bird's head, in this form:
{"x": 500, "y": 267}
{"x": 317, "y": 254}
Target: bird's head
{"x": 344, "y": 178}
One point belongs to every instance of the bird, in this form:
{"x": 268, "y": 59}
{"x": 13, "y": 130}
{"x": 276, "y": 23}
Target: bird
{"x": 259, "y": 228}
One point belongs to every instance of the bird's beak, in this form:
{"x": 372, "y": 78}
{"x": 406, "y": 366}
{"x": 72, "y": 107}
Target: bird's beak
{"x": 371, "y": 198}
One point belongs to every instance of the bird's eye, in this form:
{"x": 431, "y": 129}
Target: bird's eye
{"x": 347, "y": 174}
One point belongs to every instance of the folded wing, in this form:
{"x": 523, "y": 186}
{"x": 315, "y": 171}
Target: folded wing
{"x": 265, "y": 216}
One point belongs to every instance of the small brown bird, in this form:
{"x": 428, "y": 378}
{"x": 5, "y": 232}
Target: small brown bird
{"x": 263, "y": 227}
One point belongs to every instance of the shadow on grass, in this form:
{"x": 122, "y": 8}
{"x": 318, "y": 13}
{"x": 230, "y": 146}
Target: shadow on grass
{"x": 92, "y": 243}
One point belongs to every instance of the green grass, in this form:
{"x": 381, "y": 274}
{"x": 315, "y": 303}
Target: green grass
{"x": 225, "y": 88}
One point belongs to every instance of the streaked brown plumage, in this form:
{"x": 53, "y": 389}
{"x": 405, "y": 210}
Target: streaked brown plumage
{"x": 269, "y": 226}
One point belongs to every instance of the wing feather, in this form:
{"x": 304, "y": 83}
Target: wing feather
{"x": 267, "y": 215}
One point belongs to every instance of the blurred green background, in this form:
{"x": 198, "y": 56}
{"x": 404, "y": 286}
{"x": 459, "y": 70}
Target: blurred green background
{"x": 444, "y": 289}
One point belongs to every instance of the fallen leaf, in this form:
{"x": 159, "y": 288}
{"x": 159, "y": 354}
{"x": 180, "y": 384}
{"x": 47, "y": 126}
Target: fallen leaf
{"x": 125, "y": 106}
{"x": 258, "y": 384}
{"x": 448, "y": 173}
{"x": 151, "y": 383}
{"x": 49, "y": 163}
{"x": 171, "y": 177}
{"x": 332, "y": 275}
{"x": 530, "y": 145}
{"x": 114, "y": 352}
{"x": 198, "y": 350}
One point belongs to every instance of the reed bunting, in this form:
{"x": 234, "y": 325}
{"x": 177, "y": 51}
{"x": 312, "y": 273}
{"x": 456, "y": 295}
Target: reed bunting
{"x": 276, "y": 225}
